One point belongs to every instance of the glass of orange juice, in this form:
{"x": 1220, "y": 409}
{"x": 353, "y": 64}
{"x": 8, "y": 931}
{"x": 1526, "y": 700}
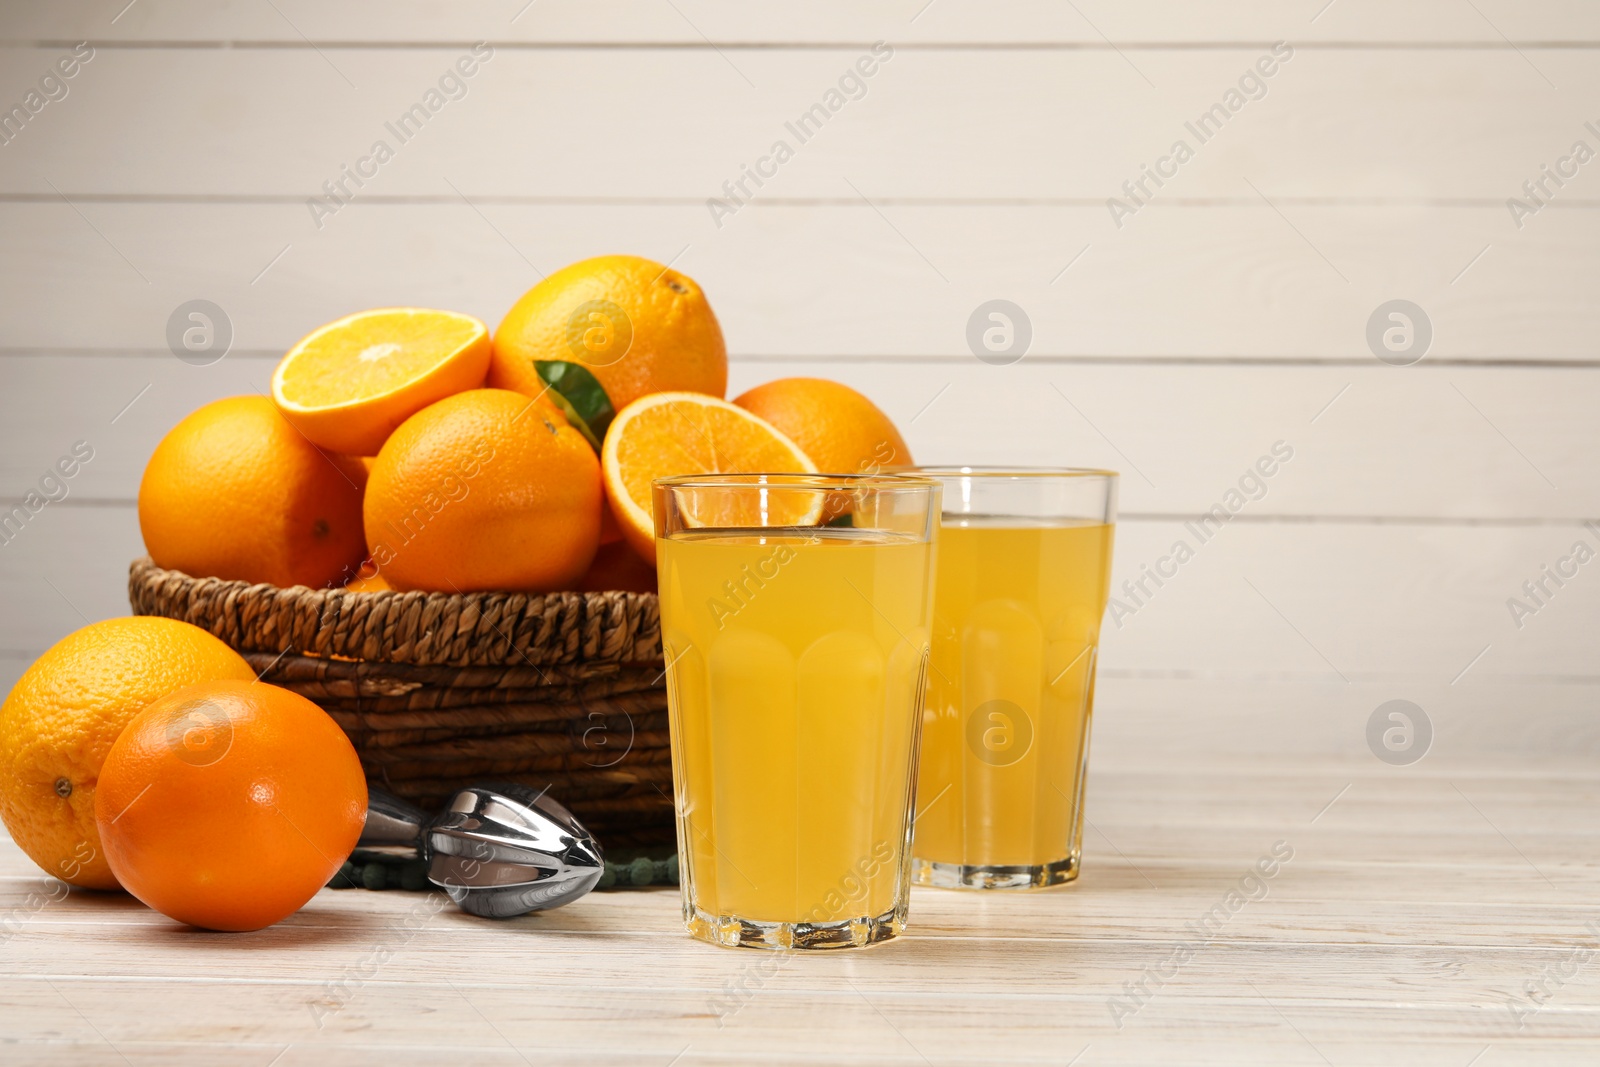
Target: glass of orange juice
{"x": 794, "y": 620}
{"x": 1021, "y": 584}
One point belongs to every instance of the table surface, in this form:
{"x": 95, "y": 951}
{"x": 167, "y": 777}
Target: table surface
{"x": 1444, "y": 913}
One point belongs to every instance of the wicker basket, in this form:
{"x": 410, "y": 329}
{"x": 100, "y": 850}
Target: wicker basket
{"x": 563, "y": 690}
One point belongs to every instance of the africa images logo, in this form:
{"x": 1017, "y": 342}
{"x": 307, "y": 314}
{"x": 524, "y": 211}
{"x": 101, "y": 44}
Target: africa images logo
{"x": 999, "y": 732}
{"x": 199, "y": 732}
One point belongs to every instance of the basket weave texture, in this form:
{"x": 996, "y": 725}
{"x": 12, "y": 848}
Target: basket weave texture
{"x": 557, "y": 690}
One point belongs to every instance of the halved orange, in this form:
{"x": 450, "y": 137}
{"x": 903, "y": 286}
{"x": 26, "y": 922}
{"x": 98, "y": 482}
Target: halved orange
{"x": 349, "y": 384}
{"x": 665, "y": 434}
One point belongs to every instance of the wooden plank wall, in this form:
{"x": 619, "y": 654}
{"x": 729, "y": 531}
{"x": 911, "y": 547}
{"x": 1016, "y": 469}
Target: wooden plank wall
{"x": 1177, "y": 343}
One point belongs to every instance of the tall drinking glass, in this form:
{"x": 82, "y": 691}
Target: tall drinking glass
{"x": 1021, "y": 583}
{"x": 794, "y": 619}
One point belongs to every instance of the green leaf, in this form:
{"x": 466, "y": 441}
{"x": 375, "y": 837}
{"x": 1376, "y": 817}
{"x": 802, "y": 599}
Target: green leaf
{"x": 580, "y": 396}
{"x": 573, "y": 418}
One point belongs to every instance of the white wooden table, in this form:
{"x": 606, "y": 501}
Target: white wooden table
{"x": 1419, "y": 908}
{"x": 1227, "y": 315}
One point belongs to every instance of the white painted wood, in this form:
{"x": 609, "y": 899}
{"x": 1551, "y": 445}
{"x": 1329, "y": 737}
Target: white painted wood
{"x": 1401, "y": 126}
{"x": 1368, "y": 441}
{"x": 1548, "y": 720}
{"x": 1236, "y": 281}
{"x": 1421, "y": 442}
{"x": 1330, "y": 604}
{"x": 694, "y": 22}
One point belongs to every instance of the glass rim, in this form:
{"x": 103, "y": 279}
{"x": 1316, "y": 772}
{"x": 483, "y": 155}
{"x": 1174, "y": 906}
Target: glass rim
{"x": 1017, "y": 472}
{"x": 799, "y": 480}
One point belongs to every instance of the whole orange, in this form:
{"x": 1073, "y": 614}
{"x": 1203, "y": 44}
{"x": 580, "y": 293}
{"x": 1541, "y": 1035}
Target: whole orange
{"x": 483, "y": 490}
{"x": 63, "y": 716}
{"x": 368, "y": 583}
{"x": 235, "y": 492}
{"x": 227, "y": 805}
{"x": 618, "y": 567}
{"x": 842, "y": 431}
{"x": 638, "y": 327}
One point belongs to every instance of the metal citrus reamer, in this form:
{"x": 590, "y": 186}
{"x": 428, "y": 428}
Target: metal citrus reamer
{"x": 499, "y": 850}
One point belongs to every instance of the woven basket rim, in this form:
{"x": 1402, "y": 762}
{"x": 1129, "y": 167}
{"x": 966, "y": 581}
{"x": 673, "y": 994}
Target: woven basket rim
{"x": 478, "y": 629}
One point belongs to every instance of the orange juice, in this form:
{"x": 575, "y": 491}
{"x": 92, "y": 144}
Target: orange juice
{"x": 1017, "y": 608}
{"x": 795, "y": 662}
